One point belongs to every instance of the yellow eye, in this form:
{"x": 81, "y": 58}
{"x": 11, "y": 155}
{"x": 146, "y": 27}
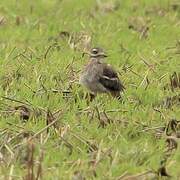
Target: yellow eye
{"x": 94, "y": 51}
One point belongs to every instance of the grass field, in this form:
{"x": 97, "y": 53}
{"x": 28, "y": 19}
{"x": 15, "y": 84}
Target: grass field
{"x": 47, "y": 129}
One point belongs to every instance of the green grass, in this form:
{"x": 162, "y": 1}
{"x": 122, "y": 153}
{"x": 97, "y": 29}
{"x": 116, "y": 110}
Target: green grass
{"x": 28, "y": 29}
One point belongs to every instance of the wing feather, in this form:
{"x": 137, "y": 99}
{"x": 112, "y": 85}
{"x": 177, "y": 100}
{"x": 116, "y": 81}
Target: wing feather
{"x": 112, "y": 84}
{"x": 109, "y": 79}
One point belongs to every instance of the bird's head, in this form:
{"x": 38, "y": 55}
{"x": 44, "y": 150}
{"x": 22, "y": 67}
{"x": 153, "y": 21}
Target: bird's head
{"x": 97, "y": 53}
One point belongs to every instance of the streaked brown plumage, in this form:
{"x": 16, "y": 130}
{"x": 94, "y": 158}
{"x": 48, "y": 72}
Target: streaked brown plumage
{"x": 99, "y": 77}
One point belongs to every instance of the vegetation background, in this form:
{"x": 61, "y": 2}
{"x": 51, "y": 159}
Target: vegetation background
{"x": 47, "y": 129}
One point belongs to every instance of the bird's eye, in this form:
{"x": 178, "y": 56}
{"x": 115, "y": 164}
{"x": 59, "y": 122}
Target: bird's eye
{"x": 94, "y": 51}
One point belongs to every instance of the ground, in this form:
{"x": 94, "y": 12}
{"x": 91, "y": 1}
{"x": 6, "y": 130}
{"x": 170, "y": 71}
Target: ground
{"x": 48, "y": 128}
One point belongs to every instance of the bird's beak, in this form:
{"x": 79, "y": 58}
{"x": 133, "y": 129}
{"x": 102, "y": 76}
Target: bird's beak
{"x": 104, "y": 55}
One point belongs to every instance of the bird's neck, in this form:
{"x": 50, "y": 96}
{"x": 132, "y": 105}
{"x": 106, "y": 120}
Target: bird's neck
{"x": 98, "y": 60}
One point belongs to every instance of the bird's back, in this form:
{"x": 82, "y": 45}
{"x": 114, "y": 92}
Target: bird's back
{"x": 110, "y": 78}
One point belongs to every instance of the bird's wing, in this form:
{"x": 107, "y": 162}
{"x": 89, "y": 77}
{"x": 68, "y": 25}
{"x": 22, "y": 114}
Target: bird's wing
{"x": 112, "y": 84}
{"x": 109, "y": 79}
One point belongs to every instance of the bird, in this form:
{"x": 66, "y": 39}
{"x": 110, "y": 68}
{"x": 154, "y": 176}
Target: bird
{"x": 98, "y": 77}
